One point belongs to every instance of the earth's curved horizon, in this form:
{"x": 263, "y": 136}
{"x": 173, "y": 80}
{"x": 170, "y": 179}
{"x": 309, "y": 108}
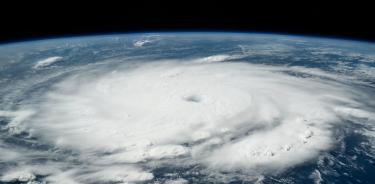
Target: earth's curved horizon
{"x": 209, "y": 107}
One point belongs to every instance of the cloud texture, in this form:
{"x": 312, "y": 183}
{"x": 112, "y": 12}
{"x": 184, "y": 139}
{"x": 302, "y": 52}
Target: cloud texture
{"x": 120, "y": 125}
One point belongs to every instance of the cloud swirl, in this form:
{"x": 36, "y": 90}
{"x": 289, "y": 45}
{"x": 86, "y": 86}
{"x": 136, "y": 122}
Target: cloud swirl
{"x": 121, "y": 124}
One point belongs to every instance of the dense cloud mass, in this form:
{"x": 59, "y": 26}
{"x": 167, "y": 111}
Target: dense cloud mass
{"x": 119, "y": 125}
{"x": 187, "y": 108}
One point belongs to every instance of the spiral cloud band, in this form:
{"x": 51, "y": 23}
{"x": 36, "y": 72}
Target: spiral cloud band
{"x": 122, "y": 124}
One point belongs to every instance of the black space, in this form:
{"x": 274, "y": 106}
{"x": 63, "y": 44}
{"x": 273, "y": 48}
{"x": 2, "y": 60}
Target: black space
{"x": 29, "y": 21}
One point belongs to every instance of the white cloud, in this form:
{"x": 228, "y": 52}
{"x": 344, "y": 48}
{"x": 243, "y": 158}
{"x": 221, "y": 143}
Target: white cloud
{"x": 46, "y": 62}
{"x": 177, "y": 181}
{"x": 221, "y": 115}
{"x": 217, "y": 58}
{"x": 317, "y": 177}
{"x": 141, "y": 43}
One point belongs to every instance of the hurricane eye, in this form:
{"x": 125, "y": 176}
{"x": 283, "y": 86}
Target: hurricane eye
{"x": 193, "y": 98}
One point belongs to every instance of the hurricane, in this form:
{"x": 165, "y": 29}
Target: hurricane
{"x": 204, "y": 119}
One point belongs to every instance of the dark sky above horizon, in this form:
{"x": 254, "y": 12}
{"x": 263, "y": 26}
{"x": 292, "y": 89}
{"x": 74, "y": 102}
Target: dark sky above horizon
{"x": 34, "y": 21}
